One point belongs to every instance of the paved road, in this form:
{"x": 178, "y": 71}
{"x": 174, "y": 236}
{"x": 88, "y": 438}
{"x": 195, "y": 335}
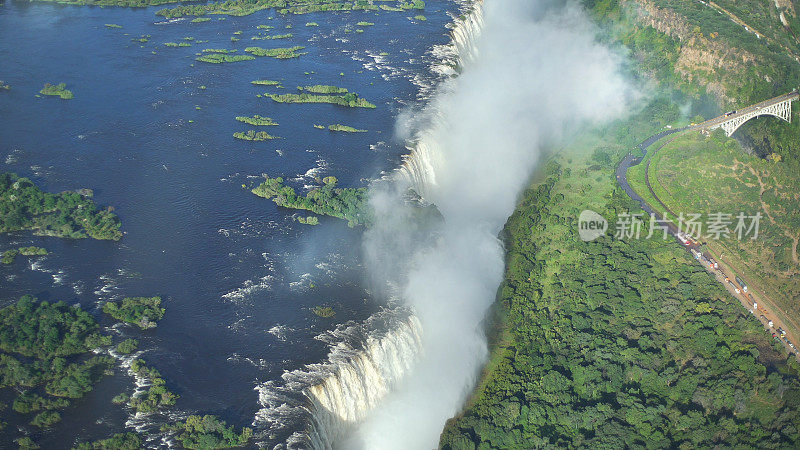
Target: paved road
{"x": 722, "y": 272}
{"x": 630, "y": 160}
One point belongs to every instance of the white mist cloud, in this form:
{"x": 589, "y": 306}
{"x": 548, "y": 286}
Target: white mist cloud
{"x": 538, "y": 75}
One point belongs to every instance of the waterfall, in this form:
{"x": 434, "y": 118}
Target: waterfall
{"x": 465, "y": 33}
{"x": 418, "y": 169}
{"x": 314, "y": 406}
{"x": 362, "y": 380}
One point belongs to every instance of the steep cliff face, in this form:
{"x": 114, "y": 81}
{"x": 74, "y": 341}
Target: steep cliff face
{"x": 718, "y": 48}
{"x": 702, "y": 59}
{"x": 739, "y": 52}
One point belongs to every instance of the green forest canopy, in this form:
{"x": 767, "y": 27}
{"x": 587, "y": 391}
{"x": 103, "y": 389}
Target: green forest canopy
{"x": 23, "y": 206}
{"x": 45, "y": 356}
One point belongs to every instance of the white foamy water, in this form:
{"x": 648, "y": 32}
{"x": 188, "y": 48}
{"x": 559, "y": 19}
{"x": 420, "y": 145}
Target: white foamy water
{"x": 420, "y": 164}
{"x": 314, "y": 406}
{"x": 281, "y": 332}
{"x": 250, "y": 287}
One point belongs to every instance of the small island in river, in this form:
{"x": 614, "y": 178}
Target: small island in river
{"x": 345, "y": 203}
{"x": 9, "y": 256}
{"x": 349, "y": 99}
{"x": 23, "y": 206}
{"x": 59, "y": 90}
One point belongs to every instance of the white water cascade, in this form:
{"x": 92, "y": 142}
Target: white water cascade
{"x": 312, "y": 407}
{"x": 345, "y": 397}
{"x": 418, "y": 169}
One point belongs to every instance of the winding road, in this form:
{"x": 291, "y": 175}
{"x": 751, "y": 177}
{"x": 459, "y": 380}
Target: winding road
{"x": 723, "y": 273}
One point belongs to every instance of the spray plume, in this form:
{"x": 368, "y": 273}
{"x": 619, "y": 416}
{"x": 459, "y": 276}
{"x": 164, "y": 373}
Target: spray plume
{"x": 533, "y": 74}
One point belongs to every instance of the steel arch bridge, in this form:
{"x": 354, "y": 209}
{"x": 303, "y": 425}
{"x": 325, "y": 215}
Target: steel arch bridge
{"x": 780, "y": 107}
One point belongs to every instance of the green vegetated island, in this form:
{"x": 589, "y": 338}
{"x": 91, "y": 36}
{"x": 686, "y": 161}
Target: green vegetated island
{"x": 23, "y": 206}
{"x": 630, "y": 343}
{"x": 266, "y": 83}
{"x": 253, "y": 135}
{"x": 141, "y": 311}
{"x": 350, "y": 204}
{"x": 323, "y": 311}
{"x": 257, "y": 120}
{"x": 51, "y": 356}
{"x": 245, "y": 7}
{"x": 119, "y": 441}
{"x": 57, "y": 90}
{"x": 142, "y": 38}
{"x": 127, "y": 346}
{"x": 327, "y": 200}
{"x": 278, "y": 53}
{"x": 323, "y": 94}
{"x": 157, "y": 394}
{"x": 46, "y": 359}
{"x": 219, "y": 56}
{"x": 323, "y": 89}
{"x": 9, "y": 256}
{"x": 207, "y": 432}
{"x": 344, "y": 128}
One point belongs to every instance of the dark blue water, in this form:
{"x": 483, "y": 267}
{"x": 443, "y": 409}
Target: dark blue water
{"x": 230, "y": 266}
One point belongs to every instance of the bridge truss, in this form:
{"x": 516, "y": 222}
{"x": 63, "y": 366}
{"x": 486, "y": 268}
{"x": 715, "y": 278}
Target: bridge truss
{"x": 782, "y": 110}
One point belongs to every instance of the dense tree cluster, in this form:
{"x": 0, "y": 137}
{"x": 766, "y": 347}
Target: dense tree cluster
{"x": 345, "y": 203}
{"x": 23, "y": 206}
{"x": 127, "y": 346}
{"x": 157, "y": 394}
{"x": 208, "y": 432}
{"x": 45, "y": 356}
{"x": 119, "y": 441}
{"x": 9, "y": 256}
{"x": 45, "y": 330}
{"x": 619, "y": 344}
{"x": 142, "y": 311}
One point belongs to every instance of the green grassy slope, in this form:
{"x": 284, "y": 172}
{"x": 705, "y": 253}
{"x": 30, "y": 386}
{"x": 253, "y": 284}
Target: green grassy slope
{"x": 713, "y": 174}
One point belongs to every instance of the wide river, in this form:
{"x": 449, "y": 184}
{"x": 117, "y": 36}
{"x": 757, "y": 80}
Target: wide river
{"x": 150, "y": 131}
